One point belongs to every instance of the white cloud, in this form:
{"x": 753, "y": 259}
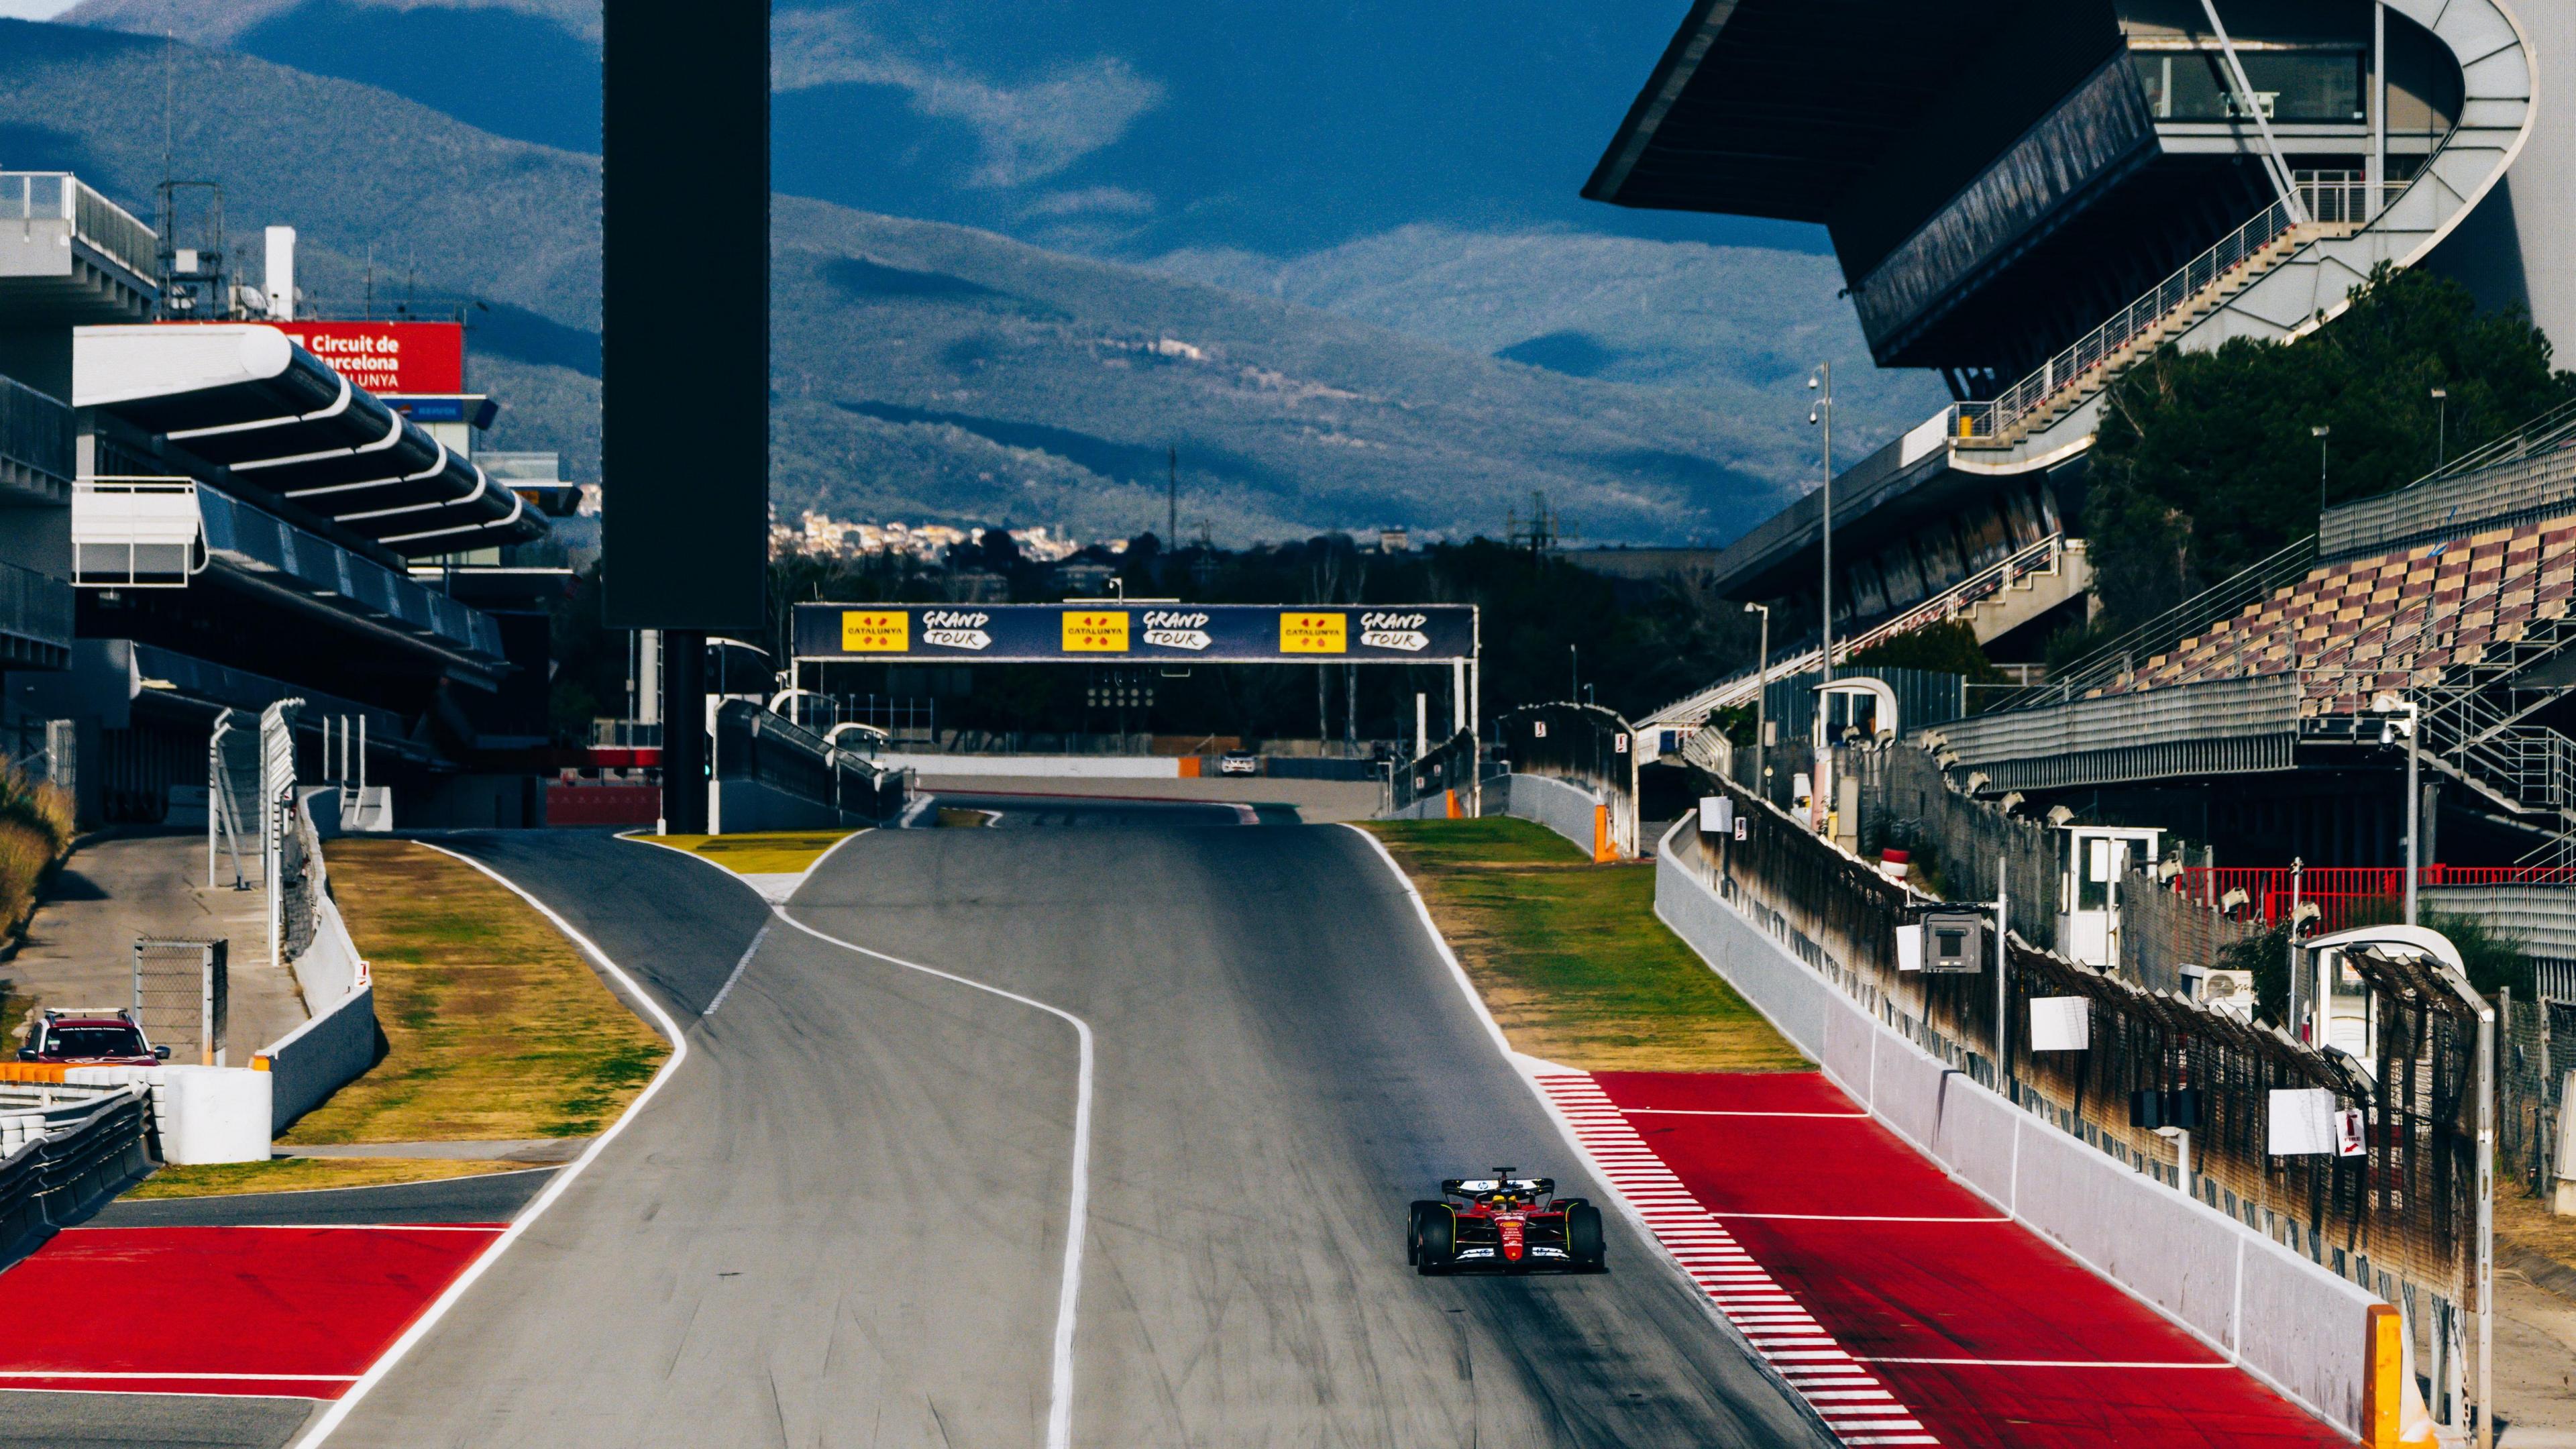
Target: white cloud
{"x": 1091, "y": 201}
{"x": 33, "y": 9}
{"x": 1026, "y": 132}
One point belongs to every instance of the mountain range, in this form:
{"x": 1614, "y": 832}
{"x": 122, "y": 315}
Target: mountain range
{"x": 1488, "y": 334}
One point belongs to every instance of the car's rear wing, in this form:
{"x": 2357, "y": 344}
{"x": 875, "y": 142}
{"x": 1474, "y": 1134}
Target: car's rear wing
{"x": 1479, "y": 1186}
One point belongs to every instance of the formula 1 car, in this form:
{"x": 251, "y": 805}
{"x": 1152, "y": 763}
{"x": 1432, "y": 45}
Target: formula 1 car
{"x": 1504, "y": 1224}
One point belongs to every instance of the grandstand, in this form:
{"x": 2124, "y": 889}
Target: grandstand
{"x": 2451, "y": 595}
{"x": 2034, "y": 198}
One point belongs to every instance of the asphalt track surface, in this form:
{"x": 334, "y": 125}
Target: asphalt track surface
{"x": 842, "y": 1221}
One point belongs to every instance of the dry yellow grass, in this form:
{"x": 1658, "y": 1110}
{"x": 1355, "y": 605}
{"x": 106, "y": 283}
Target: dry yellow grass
{"x": 1569, "y": 956}
{"x": 2524, "y": 1221}
{"x": 302, "y": 1174}
{"x": 495, "y": 1028}
{"x": 764, "y": 852}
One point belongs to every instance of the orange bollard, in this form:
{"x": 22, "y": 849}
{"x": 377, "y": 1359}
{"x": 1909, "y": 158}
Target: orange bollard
{"x": 1604, "y": 850}
{"x": 1453, "y": 804}
{"x": 2383, "y": 1377}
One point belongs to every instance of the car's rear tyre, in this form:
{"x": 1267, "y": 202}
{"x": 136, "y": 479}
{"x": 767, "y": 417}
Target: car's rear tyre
{"x": 1437, "y": 1240}
{"x": 1583, "y": 1241}
{"x": 1413, "y": 1228}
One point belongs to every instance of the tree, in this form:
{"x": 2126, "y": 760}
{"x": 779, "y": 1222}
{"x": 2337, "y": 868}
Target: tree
{"x": 1949, "y": 647}
{"x": 2207, "y": 461}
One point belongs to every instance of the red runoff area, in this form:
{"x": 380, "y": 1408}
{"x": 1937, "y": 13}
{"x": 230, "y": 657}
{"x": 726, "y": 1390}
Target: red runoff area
{"x": 1897, "y": 1261}
{"x": 296, "y": 1311}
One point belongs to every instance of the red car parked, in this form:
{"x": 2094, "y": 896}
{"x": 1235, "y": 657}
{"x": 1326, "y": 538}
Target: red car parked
{"x": 1504, "y": 1224}
{"x": 98, "y": 1038}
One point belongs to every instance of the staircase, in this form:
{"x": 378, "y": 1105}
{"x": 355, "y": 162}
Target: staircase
{"x": 2204, "y": 285}
{"x": 1993, "y": 601}
{"x": 2474, "y": 730}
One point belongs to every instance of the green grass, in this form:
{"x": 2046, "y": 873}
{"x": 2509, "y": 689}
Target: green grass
{"x": 302, "y": 1174}
{"x": 495, "y": 1028}
{"x": 1569, "y": 956}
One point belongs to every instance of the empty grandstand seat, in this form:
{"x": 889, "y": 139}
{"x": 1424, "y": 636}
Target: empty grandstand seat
{"x": 2392, "y": 621}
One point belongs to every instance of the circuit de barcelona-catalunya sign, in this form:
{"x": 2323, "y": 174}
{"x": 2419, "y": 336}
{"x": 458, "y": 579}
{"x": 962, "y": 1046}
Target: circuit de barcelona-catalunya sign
{"x": 1137, "y": 630}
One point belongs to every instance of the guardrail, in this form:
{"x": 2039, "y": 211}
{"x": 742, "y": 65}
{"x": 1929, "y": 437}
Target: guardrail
{"x": 2325, "y": 202}
{"x": 104, "y": 226}
{"x": 55, "y": 1177}
{"x": 36, "y": 432}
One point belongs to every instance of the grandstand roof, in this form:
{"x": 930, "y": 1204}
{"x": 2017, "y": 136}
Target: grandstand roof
{"x": 1778, "y": 108}
{"x": 245, "y": 398}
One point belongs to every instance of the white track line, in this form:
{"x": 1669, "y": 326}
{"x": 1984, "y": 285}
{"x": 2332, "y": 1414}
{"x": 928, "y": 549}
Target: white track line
{"x": 2073, "y": 1363}
{"x": 180, "y": 1374}
{"x": 340, "y": 1408}
{"x": 1848, "y": 1218}
{"x": 1705, "y": 1112}
{"x": 757, "y": 937}
{"x": 485, "y": 1228}
{"x": 1059, "y": 1433}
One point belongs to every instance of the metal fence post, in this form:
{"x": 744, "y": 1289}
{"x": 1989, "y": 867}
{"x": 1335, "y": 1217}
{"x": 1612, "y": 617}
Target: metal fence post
{"x": 2486, "y": 1226}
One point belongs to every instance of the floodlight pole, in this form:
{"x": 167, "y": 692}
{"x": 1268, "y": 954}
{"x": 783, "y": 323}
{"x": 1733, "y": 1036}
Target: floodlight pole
{"x": 1761, "y": 696}
{"x": 2003, "y": 967}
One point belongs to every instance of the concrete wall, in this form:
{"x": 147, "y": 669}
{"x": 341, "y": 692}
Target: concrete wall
{"x": 1058, "y": 767}
{"x": 735, "y": 806}
{"x": 2286, "y": 1320}
{"x": 308, "y": 1064}
{"x": 1566, "y": 808}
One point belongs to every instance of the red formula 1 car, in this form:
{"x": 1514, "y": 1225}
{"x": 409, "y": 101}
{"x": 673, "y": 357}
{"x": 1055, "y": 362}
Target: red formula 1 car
{"x": 1504, "y": 1224}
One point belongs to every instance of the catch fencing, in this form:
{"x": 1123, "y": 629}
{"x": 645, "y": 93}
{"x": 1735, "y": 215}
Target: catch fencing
{"x": 766, "y": 748}
{"x": 2396, "y": 1220}
{"x": 182, "y": 996}
{"x": 1415, "y": 785}
{"x": 1584, "y": 745}
{"x": 2535, "y": 1050}
{"x": 1961, "y": 848}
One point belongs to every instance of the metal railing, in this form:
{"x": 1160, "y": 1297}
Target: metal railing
{"x": 36, "y": 431}
{"x": 35, "y": 606}
{"x": 2218, "y": 602}
{"x": 2041, "y": 558}
{"x": 1989, "y": 421}
{"x": 106, "y": 227}
{"x": 2034, "y": 560}
{"x": 136, "y": 532}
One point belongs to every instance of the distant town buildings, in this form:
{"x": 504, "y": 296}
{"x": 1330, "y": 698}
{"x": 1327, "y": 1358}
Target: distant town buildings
{"x": 822, "y": 534}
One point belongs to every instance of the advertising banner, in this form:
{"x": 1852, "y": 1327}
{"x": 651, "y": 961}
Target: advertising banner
{"x": 388, "y": 357}
{"x": 1161, "y": 633}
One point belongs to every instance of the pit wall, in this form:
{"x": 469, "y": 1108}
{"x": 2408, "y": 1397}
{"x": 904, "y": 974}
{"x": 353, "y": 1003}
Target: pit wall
{"x": 2283, "y": 1319}
{"x": 1561, "y": 806}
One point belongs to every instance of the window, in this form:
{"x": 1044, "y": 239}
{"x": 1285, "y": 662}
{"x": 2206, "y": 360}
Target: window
{"x": 94, "y": 1041}
{"x": 2289, "y": 85}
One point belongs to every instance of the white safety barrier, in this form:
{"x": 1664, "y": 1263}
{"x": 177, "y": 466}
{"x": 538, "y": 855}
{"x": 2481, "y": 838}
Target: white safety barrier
{"x": 327, "y": 1052}
{"x": 2287, "y": 1321}
{"x": 1560, "y": 805}
{"x": 1058, "y": 767}
{"x": 201, "y": 1114}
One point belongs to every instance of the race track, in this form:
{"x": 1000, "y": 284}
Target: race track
{"x": 842, "y": 1222}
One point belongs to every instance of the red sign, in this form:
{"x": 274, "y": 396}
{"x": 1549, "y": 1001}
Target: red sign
{"x": 388, "y": 357}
